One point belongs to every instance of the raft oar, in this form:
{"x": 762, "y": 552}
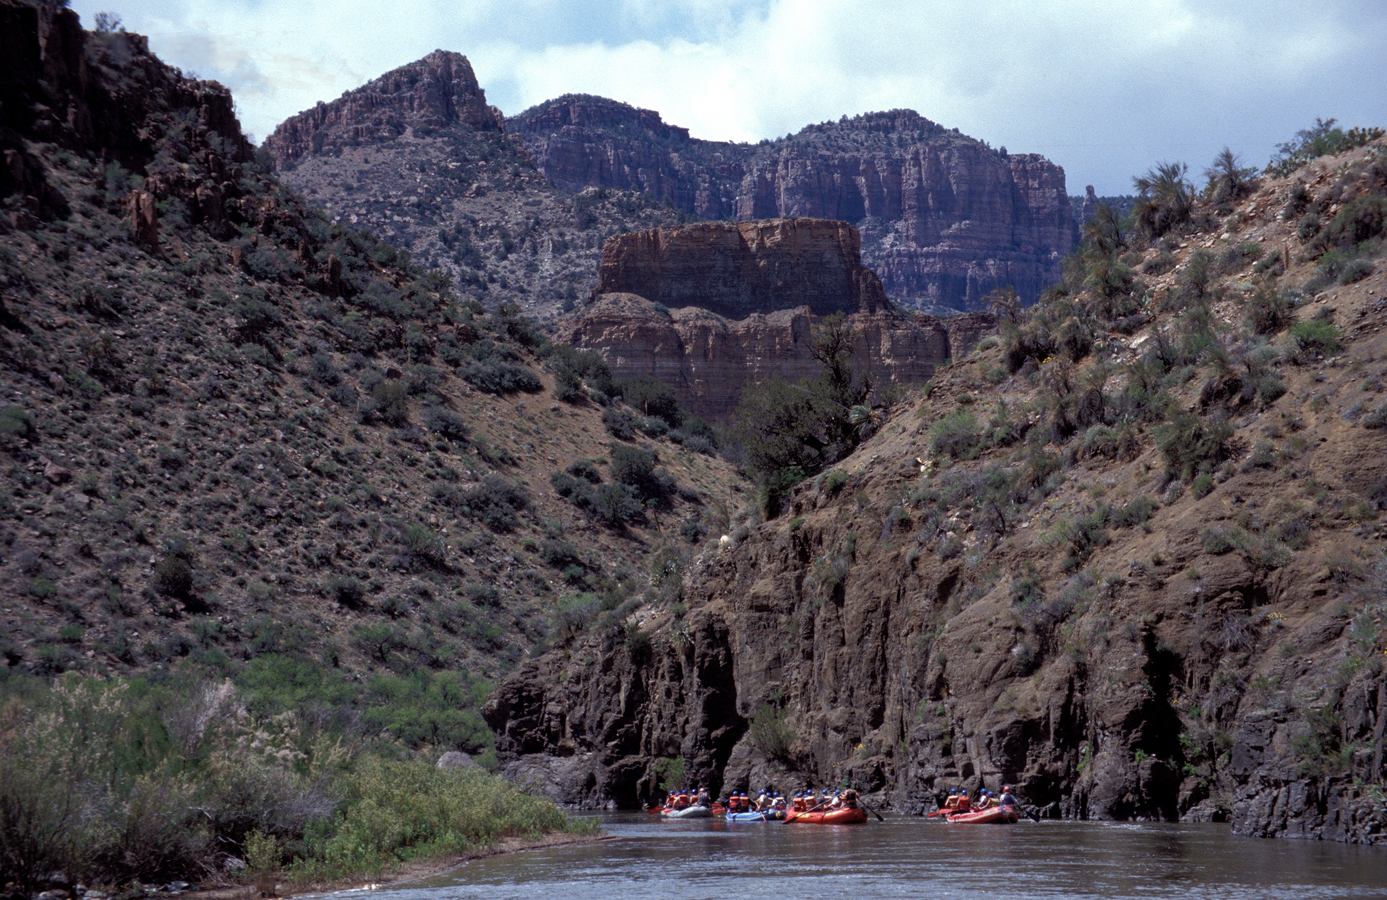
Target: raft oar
{"x": 1030, "y": 815}
{"x": 869, "y": 809}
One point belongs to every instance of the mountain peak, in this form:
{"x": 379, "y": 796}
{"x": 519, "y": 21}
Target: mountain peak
{"x": 436, "y": 91}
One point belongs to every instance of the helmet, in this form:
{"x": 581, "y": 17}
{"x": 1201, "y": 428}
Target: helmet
{"x": 963, "y": 793}
{"x": 1006, "y": 789}
{"x": 953, "y": 791}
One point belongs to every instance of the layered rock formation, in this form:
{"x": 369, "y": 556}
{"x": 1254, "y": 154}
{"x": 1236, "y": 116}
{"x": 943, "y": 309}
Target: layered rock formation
{"x": 750, "y": 267}
{"x": 435, "y": 92}
{"x": 945, "y": 219}
{"x": 712, "y": 308}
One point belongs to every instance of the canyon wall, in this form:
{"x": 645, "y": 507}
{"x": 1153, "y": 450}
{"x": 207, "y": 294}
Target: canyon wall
{"x": 945, "y": 219}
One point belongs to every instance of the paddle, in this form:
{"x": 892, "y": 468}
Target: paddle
{"x": 869, "y": 809}
{"x": 1030, "y": 815}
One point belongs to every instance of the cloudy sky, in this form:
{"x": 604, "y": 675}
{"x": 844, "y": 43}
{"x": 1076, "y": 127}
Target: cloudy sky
{"x": 1105, "y": 88}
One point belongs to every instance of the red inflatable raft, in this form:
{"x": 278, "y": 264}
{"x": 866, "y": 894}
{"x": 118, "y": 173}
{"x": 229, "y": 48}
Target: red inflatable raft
{"x": 1001, "y": 815}
{"x": 844, "y": 816}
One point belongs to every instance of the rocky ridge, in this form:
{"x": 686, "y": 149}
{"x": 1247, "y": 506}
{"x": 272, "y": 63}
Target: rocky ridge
{"x": 1017, "y": 581}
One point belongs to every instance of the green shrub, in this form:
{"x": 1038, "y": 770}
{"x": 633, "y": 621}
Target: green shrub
{"x": 772, "y": 732}
{"x": 956, "y": 435}
{"x": 651, "y": 398}
{"x": 1316, "y": 336}
{"x": 447, "y": 424}
{"x": 501, "y": 378}
{"x": 1138, "y": 512}
{"x": 635, "y": 468}
{"x": 1320, "y": 140}
{"x": 1268, "y": 311}
{"x": 495, "y": 502}
{"x": 173, "y": 576}
{"x": 620, "y": 422}
{"x": 1189, "y": 444}
{"x": 16, "y": 422}
{"x": 394, "y": 811}
{"x": 389, "y": 403}
{"x": 424, "y": 547}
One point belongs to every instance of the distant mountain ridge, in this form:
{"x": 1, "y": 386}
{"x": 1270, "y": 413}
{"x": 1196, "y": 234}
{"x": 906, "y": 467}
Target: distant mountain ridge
{"x": 945, "y": 219}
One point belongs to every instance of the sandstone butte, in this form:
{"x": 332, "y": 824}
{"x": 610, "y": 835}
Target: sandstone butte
{"x": 713, "y": 307}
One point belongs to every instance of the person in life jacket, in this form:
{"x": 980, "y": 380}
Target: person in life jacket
{"x": 964, "y": 804}
{"x": 985, "y": 800}
{"x": 850, "y": 798}
{"x": 681, "y": 800}
{"x": 952, "y": 801}
{"x": 1008, "y": 799}
{"x": 703, "y": 799}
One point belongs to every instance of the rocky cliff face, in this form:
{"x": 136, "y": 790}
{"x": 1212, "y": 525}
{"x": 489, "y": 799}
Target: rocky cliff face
{"x": 945, "y": 219}
{"x": 438, "y": 91}
{"x": 712, "y": 308}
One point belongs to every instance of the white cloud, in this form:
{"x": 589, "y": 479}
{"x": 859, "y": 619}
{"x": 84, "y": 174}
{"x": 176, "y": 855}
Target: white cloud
{"x": 1104, "y": 87}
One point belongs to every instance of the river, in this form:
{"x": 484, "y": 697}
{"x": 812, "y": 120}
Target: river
{"x": 913, "y": 857}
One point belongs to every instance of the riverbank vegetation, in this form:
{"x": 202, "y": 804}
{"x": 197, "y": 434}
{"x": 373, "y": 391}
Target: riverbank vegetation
{"x": 108, "y": 782}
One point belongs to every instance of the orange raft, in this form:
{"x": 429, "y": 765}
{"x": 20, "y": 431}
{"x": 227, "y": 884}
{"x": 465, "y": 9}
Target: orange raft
{"x": 1001, "y": 815}
{"x": 843, "y": 816}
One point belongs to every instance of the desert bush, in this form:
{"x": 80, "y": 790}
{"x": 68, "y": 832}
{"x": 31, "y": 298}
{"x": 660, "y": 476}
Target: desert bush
{"x": 347, "y": 591}
{"x": 772, "y": 732}
{"x": 173, "y": 575}
{"x": 1316, "y": 336}
{"x": 1360, "y": 220}
{"x": 1322, "y": 139}
{"x": 956, "y": 435}
{"x": 614, "y": 505}
{"x": 1189, "y": 444}
{"x": 651, "y": 398}
{"x": 620, "y": 422}
{"x": 388, "y": 403}
{"x": 1377, "y": 418}
{"x": 447, "y": 423}
{"x": 1268, "y": 311}
{"x": 1138, "y": 512}
{"x": 424, "y": 547}
{"x": 501, "y": 378}
{"x": 495, "y": 502}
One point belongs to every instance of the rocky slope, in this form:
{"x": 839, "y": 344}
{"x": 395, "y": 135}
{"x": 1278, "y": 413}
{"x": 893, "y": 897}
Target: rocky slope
{"x": 712, "y": 308}
{"x": 945, "y": 219}
{"x": 1139, "y": 572}
{"x": 238, "y": 438}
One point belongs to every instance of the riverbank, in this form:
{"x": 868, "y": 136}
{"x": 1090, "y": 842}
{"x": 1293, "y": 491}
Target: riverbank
{"x": 414, "y": 870}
